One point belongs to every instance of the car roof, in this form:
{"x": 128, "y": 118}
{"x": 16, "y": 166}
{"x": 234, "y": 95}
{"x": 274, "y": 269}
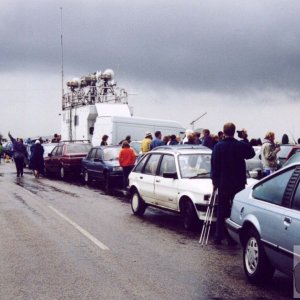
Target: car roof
{"x": 107, "y": 147}
{"x": 183, "y": 149}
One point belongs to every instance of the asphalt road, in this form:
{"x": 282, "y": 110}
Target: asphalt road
{"x": 63, "y": 240}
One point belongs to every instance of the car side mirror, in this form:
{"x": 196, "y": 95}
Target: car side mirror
{"x": 172, "y": 175}
{"x": 50, "y": 154}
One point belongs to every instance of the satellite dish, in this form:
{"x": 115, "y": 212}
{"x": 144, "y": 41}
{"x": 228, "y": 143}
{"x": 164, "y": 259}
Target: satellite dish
{"x": 108, "y": 74}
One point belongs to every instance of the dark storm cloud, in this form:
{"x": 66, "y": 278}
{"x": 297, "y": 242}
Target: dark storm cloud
{"x": 207, "y": 45}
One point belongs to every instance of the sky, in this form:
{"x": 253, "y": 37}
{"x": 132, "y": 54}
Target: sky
{"x": 237, "y": 61}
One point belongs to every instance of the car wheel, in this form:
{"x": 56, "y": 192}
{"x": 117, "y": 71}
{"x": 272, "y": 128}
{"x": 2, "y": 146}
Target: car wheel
{"x": 107, "y": 184}
{"x": 189, "y": 215}
{"x": 256, "y": 264}
{"x": 138, "y": 205}
{"x": 86, "y": 177}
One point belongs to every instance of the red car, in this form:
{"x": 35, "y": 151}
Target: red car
{"x": 65, "y": 159}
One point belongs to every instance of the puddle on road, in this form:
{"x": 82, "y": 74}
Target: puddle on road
{"x": 34, "y": 189}
{"x": 55, "y": 189}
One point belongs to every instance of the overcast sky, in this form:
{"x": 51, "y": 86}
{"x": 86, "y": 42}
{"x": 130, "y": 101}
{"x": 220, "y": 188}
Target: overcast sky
{"x": 238, "y": 61}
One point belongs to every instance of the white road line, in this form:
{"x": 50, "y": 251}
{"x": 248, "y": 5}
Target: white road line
{"x": 80, "y": 229}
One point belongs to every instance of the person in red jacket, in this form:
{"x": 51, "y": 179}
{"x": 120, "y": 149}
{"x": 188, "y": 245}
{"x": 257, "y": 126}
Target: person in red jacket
{"x": 127, "y": 158}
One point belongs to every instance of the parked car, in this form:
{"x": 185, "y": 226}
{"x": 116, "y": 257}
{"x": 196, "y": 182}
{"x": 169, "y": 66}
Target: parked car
{"x": 174, "y": 179}
{"x": 102, "y": 164}
{"x": 254, "y": 165}
{"x": 65, "y": 158}
{"x": 265, "y": 219}
{"x": 284, "y": 154}
{"x": 293, "y": 159}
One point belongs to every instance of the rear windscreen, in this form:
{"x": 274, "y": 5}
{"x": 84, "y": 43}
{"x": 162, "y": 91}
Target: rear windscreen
{"x": 78, "y": 148}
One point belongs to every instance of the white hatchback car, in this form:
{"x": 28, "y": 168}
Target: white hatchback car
{"x": 176, "y": 179}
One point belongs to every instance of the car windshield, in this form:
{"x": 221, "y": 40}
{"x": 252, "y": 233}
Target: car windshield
{"x": 111, "y": 153}
{"x": 79, "y": 148}
{"x": 194, "y": 165}
{"x": 293, "y": 159}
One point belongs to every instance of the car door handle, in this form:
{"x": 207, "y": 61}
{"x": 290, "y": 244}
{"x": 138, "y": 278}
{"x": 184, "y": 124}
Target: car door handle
{"x": 141, "y": 177}
{"x": 287, "y": 221}
{"x": 157, "y": 180}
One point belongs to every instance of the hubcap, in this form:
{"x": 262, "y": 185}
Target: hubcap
{"x": 135, "y": 201}
{"x": 251, "y": 255}
{"x": 62, "y": 172}
{"x": 86, "y": 176}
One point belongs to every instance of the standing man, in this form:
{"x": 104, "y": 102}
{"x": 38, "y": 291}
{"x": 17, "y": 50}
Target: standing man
{"x": 228, "y": 173}
{"x": 157, "y": 141}
{"x": 207, "y": 140}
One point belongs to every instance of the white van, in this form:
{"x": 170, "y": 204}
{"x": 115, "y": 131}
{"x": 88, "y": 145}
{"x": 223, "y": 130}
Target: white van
{"x": 117, "y": 128}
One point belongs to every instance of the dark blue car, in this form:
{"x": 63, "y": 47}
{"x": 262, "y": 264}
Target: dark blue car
{"x": 102, "y": 164}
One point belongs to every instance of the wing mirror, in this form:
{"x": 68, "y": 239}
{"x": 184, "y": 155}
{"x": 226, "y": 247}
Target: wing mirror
{"x": 172, "y": 175}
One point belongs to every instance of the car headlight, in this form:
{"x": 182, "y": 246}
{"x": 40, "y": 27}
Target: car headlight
{"x": 117, "y": 168}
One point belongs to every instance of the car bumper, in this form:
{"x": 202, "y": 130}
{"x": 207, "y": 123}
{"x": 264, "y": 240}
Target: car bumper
{"x": 233, "y": 229}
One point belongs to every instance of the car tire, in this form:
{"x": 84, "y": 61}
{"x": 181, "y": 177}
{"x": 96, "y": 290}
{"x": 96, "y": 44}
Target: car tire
{"x": 189, "y": 215}
{"x": 86, "y": 177}
{"x": 107, "y": 184}
{"x": 256, "y": 264}
{"x": 138, "y": 206}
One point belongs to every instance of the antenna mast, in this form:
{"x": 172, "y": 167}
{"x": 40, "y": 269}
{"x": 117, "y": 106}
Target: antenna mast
{"x": 62, "y": 52}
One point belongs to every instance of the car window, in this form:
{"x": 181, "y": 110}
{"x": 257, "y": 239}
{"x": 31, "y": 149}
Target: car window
{"x": 273, "y": 189}
{"x": 294, "y": 158}
{"x": 141, "y": 163}
{"x": 99, "y": 154}
{"x": 296, "y": 201}
{"x": 59, "y": 150}
{"x": 167, "y": 165}
{"x": 79, "y": 148}
{"x": 195, "y": 165}
{"x": 92, "y": 153}
{"x": 54, "y": 151}
{"x": 152, "y": 163}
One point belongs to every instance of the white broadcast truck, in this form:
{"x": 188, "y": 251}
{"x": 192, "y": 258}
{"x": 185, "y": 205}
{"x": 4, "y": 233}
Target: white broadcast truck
{"x": 95, "y": 107}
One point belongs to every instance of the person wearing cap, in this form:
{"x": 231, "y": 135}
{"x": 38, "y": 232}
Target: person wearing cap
{"x": 146, "y": 142}
{"x": 242, "y": 134}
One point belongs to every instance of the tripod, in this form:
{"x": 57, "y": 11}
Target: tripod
{"x": 208, "y": 219}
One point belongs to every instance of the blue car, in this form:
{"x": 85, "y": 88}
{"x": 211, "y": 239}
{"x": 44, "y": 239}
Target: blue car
{"x": 265, "y": 220}
{"x": 102, "y": 164}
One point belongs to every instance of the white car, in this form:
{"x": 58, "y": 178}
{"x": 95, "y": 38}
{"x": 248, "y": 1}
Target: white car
{"x": 176, "y": 179}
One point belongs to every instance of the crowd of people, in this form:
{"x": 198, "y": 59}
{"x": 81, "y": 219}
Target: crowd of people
{"x": 228, "y": 169}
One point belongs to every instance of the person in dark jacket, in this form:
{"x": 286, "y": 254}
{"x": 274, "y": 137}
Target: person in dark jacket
{"x": 104, "y": 140}
{"x": 20, "y": 154}
{"x": 37, "y": 159}
{"x": 207, "y": 140}
{"x": 228, "y": 174}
